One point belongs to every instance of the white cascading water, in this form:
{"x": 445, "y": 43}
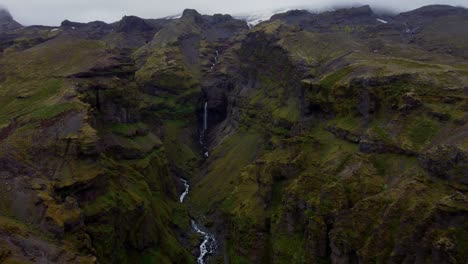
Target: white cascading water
{"x": 205, "y": 127}
{"x": 208, "y": 246}
{"x": 186, "y": 191}
{"x": 215, "y": 60}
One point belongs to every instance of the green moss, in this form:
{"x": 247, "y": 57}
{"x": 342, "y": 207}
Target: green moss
{"x": 40, "y": 102}
{"x": 137, "y": 146}
{"x": 135, "y": 208}
{"x": 421, "y": 132}
{"x": 180, "y": 145}
{"x": 166, "y": 68}
{"x": 393, "y": 166}
{"x": 52, "y": 111}
{"x": 155, "y": 257}
{"x": 330, "y": 80}
{"x": 461, "y": 236}
{"x": 12, "y": 227}
{"x": 288, "y": 248}
{"x": 129, "y": 130}
{"x": 234, "y": 257}
{"x": 235, "y": 152}
{"x": 289, "y": 113}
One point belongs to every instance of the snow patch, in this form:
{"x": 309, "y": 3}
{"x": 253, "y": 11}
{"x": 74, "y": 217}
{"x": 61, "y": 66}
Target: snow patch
{"x": 256, "y": 18}
{"x": 174, "y": 16}
{"x": 382, "y": 21}
{"x": 54, "y": 29}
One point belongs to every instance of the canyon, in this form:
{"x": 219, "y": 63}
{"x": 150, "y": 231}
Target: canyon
{"x": 336, "y": 137}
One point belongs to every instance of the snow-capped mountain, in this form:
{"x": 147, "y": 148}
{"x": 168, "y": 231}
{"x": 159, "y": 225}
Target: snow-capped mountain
{"x": 255, "y": 18}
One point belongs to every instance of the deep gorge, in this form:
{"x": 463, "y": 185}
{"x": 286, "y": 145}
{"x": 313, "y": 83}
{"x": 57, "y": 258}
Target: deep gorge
{"x": 326, "y": 137}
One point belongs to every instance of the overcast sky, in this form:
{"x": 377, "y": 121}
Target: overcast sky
{"x": 52, "y": 12}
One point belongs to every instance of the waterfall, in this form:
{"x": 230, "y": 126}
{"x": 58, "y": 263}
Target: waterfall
{"x": 216, "y": 59}
{"x": 208, "y": 246}
{"x": 205, "y": 127}
{"x": 184, "y": 194}
{"x": 205, "y": 117}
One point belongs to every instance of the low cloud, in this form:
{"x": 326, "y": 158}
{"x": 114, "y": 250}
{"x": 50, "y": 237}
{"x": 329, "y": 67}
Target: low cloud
{"x": 52, "y": 12}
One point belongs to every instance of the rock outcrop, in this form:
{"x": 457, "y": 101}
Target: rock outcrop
{"x": 7, "y": 22}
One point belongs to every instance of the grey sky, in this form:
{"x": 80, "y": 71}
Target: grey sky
{"x": 52, "y": 12}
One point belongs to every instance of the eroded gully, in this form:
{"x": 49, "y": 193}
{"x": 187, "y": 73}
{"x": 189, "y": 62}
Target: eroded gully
{"x": 208, "y": 245}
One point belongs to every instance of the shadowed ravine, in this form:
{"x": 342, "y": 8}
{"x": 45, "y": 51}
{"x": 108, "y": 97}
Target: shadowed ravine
{"x": 208, "y": 245}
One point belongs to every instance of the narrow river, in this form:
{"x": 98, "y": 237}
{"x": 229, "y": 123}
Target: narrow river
{"x": 208, "y": 245}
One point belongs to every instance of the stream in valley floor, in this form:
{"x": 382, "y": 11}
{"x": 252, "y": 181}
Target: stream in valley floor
{"x": 208, "y": 245}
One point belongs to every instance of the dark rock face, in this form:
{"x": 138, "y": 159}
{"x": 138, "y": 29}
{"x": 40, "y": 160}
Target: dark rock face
{"x": 344, "y": 134}
{"x": 7, "y": 22}
{"x": 330, "y": 21}
{"x": 417, "y": 27}
{"x": 5, "y": 15}
{"x": 411, "y": 101}
{"x": 91, "y": 30}
{"x": 446, "y": 162}
{"x": 433, "y": 11}
{"x": 129, "y": 32}
{"x": 68, "y": 23}
{"x": 214, "y": 28}
{"x": 362, "y": 13}
{"x": 216, "y": 90}
{"x": 192, "y": 15}
{"x": 290, "y": 15}
{"x": 133, "y": 23}
{"x": 381, "y": 81}
{"x": 372, "y": 146}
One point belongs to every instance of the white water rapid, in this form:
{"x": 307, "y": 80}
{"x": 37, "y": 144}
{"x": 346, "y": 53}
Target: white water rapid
{"x": 184, "y": 194}
{"x": 208, "y": 245}
{"x": 216, "y": 59}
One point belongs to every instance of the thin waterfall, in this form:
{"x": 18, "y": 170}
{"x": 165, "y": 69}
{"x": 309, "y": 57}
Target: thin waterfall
{"x": 216, "y": 59}
{"x": 205, "y": 118}
{"x": 205, "y": 124}
{"x": 186, "y": 191}
{"x": 205, "y": 127}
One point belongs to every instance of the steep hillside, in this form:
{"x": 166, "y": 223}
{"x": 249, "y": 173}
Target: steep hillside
{"x": 338, "y": 137}
{"x": 7, "y": 22}
{"x": 349, "y": 143}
